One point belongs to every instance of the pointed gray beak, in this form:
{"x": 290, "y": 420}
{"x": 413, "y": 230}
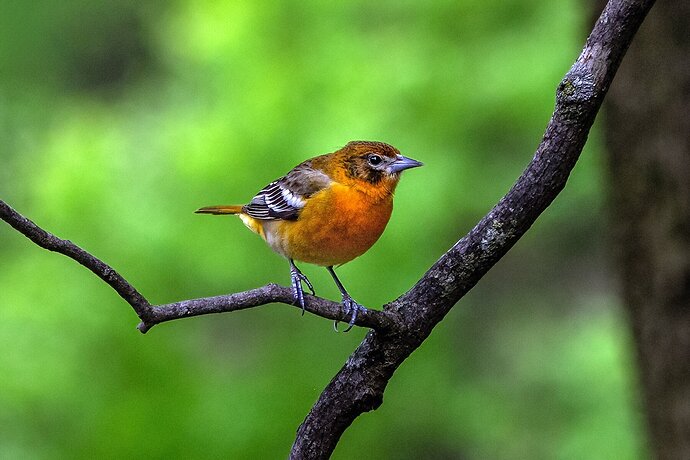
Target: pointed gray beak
{"x": 402, "y": 163}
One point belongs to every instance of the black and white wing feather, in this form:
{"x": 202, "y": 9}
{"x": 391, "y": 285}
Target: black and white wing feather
{"x": 285, "y": 197}
{"x": 275, "y": 202}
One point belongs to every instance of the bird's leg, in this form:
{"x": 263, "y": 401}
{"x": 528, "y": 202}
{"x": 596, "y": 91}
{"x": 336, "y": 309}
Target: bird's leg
{"x": 349, "y": 305}
{"x": 296, "y": 278}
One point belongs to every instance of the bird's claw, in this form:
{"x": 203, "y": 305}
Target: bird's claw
{"x": 350, "y": 305}
{"x": 296, "y": 278}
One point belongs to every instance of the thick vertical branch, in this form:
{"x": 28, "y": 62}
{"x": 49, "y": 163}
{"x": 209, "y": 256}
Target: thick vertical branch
{"x": 359, "y": 385}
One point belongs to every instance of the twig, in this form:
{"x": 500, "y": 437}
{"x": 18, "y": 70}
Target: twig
{"x": 270, "y": 293}
{"x": 151, "y": 315}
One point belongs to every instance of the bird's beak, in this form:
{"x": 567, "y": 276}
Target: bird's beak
{"x": 402, "y": 163}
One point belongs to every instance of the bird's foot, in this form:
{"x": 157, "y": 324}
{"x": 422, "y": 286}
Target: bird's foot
{"x": 350, "y": 307}
{"x": 296, "y": 278}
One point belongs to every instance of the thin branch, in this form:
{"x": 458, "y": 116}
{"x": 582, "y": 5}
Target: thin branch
{"x": 270, "y": 293}
{"x": 53, "y": 243}
{"x": 151, "y": 315}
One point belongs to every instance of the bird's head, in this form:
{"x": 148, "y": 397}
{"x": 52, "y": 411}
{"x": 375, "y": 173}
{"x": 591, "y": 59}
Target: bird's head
{"x": 374, "y": 163}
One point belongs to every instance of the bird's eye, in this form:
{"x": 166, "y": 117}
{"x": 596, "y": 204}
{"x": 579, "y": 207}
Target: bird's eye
{"x": 374, "y": 159}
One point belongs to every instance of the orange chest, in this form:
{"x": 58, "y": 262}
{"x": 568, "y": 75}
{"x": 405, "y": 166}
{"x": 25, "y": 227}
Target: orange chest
{"x": 336, "y": 225}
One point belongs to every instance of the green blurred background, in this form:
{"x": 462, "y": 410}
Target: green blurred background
{"x": 118, "y": 119}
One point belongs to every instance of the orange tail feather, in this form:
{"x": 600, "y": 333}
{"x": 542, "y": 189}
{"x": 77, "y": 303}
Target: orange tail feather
{"x": 218, "y": 210}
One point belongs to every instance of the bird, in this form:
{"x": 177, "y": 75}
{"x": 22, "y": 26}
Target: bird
{"x": 326, "y": 211}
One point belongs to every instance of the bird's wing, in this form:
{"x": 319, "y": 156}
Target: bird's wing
{"x": 285, "y": 197}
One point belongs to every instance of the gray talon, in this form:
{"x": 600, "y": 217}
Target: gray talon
{"x": 350, "y": 306}
{"x": 296, "y": 279}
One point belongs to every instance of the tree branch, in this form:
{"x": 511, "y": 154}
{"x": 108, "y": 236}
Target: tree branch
{"x": 373, "y": 319}
{"x": 359, "y": 385}
{"x": 407, "y": 321}
{"x": 52, "y": 243}
{"x": 151, "y": 315}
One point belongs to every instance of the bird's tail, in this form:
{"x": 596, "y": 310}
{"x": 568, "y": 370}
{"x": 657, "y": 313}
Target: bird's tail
{"x": 218, "y": 210}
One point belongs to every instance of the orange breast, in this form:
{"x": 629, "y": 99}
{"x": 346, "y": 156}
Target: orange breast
{"x": 336, "y": 225}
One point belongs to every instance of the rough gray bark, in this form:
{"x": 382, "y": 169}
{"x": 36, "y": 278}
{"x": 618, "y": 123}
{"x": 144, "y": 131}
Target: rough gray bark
{"x": 648, "y": 138}
{"x": 406, "y": 322}
{"x": 359, "y": 385}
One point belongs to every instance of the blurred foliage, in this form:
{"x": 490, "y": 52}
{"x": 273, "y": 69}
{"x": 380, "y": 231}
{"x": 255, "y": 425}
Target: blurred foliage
{"x": 117, "y": 119}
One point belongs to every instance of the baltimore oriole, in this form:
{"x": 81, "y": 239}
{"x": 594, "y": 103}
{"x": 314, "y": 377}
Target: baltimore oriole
{"x": 327, "y": 210}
